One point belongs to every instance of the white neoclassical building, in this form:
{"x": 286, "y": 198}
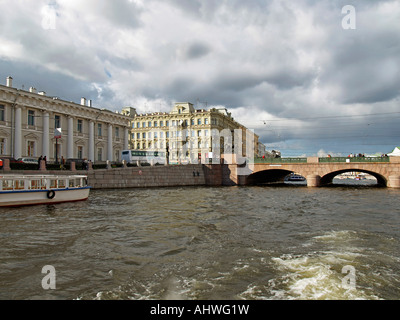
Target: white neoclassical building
{"x": 33, "y": 124}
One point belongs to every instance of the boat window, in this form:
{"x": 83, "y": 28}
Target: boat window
{"x": 76, "y": 183}
{"x": 72, "y": 183}
{"x": 8, "y": 184}
{"x": 19, "y": 184}
{"x": 35, "y": 184}
{"x": 53, "y": 184}
{"x": 44, "y": 184}
{"x": 61, "y": 184}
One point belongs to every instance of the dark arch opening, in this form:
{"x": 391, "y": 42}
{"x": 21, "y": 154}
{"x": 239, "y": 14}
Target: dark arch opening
{"x": 268, "y": 176}
{"x": 328, "y": 179}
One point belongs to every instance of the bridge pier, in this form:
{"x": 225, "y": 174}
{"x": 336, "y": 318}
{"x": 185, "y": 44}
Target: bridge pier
{"x": 394, "y": 182}
{"x": 313, "y": 180}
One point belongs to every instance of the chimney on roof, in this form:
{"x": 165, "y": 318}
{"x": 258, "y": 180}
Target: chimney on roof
{"x": 42, "y": 93}
{"x": 9, "y": 82}
{"x": 83, "y": 101}
{"x": 89, "y": 103}
{"x": 32, "y": 89}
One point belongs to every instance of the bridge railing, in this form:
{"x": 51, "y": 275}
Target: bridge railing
{"x": 324, "y": 160}
{"x": 354, "y": 159}
{"x": 280, "y": 160}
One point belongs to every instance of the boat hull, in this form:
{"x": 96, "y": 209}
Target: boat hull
{"x": 37, "y": 197}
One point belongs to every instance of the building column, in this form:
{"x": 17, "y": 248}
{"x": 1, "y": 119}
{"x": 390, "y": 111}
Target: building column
{"x": 91, "y": 141}
{"x": 126, "y": 139}
{"x": 110, "y": 143}
{"x": 18, "y": 133}
{"x": 70, "y": 142}
{"x": 46, "y": 136}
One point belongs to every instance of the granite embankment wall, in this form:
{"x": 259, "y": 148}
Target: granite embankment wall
{"x": 146, "y": 176}
{"x": 158, "y": 176}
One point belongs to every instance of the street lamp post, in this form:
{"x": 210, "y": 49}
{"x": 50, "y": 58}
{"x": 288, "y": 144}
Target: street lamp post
{"x": 57, "y": 135}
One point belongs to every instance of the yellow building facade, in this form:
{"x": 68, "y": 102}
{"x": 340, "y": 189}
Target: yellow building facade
{"x": 190, "y": 135}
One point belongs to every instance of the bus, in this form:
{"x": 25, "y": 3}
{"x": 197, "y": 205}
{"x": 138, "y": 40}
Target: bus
{"x": 141, "y": 156}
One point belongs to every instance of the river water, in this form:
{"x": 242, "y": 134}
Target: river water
{"x": 239, "y": 243}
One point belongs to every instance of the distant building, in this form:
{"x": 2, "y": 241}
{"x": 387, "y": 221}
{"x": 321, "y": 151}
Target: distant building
{"x": 29, "y": 119}
{"x": 190, "y": 135}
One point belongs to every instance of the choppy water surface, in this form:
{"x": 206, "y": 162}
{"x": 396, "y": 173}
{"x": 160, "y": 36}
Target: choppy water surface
{"x": 266, "y": 242}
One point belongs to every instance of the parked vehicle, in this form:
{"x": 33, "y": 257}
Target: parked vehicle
{"x": 28, "y": 160}
{"x": 141, "y": 156}
{"x": 12, "y": 160}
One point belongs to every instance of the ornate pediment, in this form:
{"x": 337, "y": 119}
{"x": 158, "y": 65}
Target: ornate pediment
{"x": 80, "y": 142}
{"x": 31, "y": 136}
{"x": 4, "y": 133}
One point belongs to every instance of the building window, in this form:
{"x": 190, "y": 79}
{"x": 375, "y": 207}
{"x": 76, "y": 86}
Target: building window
{"x": 161, "y": 123}
{"x": 167, "y": 123}
{"x": 133, "y": 125}
{"x": 138, "y": 146}
{"x": 149, "y": 135}
{"x": 99, "y": 154}
{"x": 144, "y": 135}
{"x": 199, "y": 133}
{"x": 206, "y": 121}
{"x": 144, "y": 124}
{"x": 2, "y": 115}
{"x": 155, "y": 124}
{"x": 99, "y": 130}
{"x": 2, "y": 146}
{"x": 149, "y": 124}
{"x": 31, "y": 148}
{"x": 80, "y": 152}
{"x": 138, "y": 124}
{"x": 57, "y": 122}
{"x": 138, "y": 135}
{"x": 117, "y": 132}
{"x": 79, "y": 127}
{"x": 199, "y": 121}
{"x": 31, "y": 118}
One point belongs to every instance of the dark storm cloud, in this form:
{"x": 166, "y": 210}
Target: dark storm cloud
{"x": 195, "y": 51}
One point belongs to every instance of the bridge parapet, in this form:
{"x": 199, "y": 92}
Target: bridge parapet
{"x": 328, "y": 160}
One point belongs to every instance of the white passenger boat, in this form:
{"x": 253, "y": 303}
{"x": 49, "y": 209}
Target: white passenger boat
{"x": 21, "y": 190}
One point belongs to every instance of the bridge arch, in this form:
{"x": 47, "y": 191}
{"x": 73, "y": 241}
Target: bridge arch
{"x": 328, "y": 178}
{"x": 268, "y": 176}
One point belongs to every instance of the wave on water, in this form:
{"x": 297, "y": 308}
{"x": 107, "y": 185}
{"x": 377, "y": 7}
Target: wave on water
{"x": 322, "y": 274}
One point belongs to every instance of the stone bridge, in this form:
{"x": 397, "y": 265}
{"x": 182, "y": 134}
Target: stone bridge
{"x": 317, "y": 171}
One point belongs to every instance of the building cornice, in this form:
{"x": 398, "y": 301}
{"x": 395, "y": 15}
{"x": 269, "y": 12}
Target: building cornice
{"x": 55, "y": 105}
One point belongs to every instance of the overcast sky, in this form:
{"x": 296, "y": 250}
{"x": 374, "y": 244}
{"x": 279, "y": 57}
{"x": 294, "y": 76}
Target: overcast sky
{"x": 305, "y": 75}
